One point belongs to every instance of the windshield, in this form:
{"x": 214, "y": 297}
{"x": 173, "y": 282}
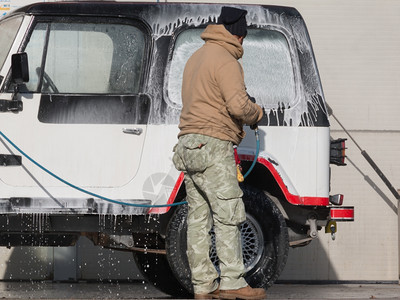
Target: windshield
{"x": 8, "y": 31}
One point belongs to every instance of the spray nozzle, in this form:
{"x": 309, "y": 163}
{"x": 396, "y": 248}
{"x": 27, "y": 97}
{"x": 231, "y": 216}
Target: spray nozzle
{"x": 254, "y": 127}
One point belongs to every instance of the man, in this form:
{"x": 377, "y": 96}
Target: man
{"x": 215, "y": 108}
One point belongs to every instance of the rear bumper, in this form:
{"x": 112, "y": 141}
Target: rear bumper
{"x": 342, "y": 213}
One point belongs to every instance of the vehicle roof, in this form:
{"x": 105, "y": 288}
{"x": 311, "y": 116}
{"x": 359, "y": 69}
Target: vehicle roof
{"x": 128, "y": 8}
{"x": 162, "y": 17}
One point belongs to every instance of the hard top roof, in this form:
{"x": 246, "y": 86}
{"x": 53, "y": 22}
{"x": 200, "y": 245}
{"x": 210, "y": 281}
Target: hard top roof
{"x": 112, "y": 8}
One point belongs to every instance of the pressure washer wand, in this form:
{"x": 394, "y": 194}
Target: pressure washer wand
{"x": 257, "y": 135}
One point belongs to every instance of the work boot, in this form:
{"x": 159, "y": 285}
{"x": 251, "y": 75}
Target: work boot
{"x": 212, "y": 295}
{"x": 246, "y": 293}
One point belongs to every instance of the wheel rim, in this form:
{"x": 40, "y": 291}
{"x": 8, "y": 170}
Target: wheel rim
{"x": 252, "y": 241}
{"x": 252, "y": 244}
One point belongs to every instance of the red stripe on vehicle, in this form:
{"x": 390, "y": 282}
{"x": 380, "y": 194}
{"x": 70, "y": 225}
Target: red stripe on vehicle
{"x": 171, "y": 199}
{"x": 342, "y": 213}
{"x": 293, "y": 199}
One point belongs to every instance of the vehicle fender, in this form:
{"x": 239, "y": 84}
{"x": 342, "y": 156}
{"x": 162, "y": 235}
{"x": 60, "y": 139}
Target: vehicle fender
{"x": 270, "y": 163}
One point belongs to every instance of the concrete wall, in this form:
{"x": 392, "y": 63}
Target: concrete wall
{"x": 356, "y": 45}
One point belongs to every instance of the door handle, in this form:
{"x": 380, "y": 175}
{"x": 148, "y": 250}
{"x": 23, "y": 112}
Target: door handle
{"x": 136, "y": 131}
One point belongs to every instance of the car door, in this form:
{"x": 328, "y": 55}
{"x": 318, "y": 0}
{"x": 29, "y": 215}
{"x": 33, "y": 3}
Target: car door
{"x": 84, "y": 115}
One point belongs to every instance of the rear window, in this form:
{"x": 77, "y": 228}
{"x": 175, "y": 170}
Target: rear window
{"x": 267, "y": 64}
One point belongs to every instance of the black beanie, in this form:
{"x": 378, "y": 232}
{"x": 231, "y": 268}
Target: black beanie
{"x": 234, "y": 20}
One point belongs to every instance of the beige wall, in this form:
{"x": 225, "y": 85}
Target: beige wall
{"x": 356, "y": 44}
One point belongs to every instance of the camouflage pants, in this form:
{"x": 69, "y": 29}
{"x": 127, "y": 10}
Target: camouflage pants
{"x": 214, "y": 198}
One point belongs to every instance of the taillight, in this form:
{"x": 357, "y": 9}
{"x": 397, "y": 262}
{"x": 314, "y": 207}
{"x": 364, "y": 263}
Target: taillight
{"x": 338, "y": 152}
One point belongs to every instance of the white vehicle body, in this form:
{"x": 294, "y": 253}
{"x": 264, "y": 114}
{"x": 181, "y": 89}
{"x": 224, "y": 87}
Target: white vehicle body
{"x": 100, "y": 112}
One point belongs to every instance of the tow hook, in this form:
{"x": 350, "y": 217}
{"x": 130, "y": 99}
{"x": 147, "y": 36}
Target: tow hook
{"x": 331, "y": 228}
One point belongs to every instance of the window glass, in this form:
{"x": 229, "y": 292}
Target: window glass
{"x": 267, "y": 66}
{"x": 8, "y": 31}
{"x": 86, "y": 58}
{"x": 186, "y": 44}
{"x": 34, "y": 49}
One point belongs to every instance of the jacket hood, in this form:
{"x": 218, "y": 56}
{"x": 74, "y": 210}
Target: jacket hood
{"x": 219, "y": 35}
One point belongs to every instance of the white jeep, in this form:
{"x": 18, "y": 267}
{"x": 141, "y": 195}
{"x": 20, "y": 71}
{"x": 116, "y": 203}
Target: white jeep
{"x": 90, "y": 97}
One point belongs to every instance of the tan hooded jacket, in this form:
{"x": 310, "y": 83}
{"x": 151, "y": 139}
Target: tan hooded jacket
{"x": 214, "y": 98}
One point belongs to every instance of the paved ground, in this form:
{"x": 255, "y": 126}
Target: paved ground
{"x": 142, "y": 290}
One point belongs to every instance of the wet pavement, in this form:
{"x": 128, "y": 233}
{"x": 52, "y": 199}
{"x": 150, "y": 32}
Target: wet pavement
{"x": 142, "y": 290}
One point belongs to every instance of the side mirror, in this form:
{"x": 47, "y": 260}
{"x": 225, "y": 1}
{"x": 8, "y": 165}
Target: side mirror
{"x": 19, "y": 68}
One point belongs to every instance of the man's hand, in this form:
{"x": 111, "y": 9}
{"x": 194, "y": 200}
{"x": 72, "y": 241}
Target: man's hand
{"x": 252, "y": 99}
